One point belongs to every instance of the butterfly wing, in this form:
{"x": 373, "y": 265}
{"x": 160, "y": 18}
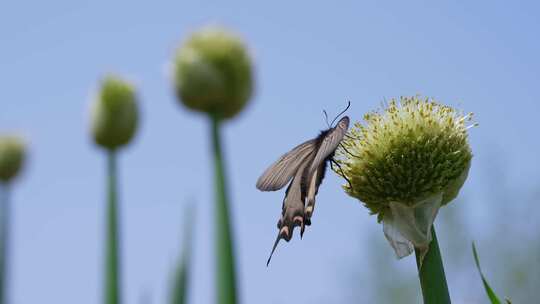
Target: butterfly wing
{"x": 306, "y": 165}
{"x": 292, "y": 214}
{"x": 281, "y": 172}
{"x": 330, "y": 142}
{"x": 313, "y": 182}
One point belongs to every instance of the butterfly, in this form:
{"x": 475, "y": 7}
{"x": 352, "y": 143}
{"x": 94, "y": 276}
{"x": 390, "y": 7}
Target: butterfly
{"x": 304, "y": 167}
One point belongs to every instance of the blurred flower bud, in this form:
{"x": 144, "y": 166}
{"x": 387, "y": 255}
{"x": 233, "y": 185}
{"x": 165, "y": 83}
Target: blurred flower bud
{"x": 12, "y": 155}
{"x": 213, "y": 73}
{"x": 114, "y": 113}
{"x": 404, "y": 164}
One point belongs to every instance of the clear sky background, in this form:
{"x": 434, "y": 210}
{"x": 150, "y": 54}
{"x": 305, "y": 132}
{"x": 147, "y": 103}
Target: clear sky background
{"x": 481, "y": 56}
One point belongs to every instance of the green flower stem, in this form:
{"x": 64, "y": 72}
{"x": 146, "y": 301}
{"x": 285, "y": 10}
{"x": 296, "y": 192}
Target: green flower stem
{"x": 112, "y": 271}
{"x": 4, "y": 240}
{"x": 226, "y": 277}
{"x": 431, "y": 273}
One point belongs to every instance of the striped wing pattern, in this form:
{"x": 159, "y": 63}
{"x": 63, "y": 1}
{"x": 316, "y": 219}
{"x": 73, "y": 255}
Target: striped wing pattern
{"x": 305, "y": 165}
{"x": 281, "y": 172}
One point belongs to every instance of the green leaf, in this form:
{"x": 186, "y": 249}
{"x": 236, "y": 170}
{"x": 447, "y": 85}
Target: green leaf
{"x": 491, "y": 294}
{"x": 180, "y": 284}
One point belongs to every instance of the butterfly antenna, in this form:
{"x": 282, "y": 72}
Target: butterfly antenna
{"x": 326, "y": 118}
{"x": 348, "y": 105}
{"x": 274, "y": 248}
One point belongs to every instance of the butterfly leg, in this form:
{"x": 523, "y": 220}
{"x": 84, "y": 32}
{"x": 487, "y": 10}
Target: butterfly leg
{"x": 351, "y": 137}
{"x": 333, "y": 162}
{"x": 347, "y": 151}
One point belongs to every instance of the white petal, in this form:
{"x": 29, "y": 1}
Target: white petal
{"x": 402, "y": 246}
{"x": 406, "y": 227}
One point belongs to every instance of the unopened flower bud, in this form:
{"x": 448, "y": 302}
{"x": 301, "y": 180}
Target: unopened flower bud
{"x": 12, "y": 155}
{"x": 213, "y": 73}
{"x": 114, "y": 114}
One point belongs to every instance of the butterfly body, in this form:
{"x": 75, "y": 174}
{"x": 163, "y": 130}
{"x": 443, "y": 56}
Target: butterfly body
{"x": 304, "y": 166}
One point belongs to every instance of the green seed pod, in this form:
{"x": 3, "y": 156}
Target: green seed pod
{"x": 405, "y": 163}
{"x": 12, "y": 155}
{"x": 114, "y": 114}
{"x": 213, "y": 73}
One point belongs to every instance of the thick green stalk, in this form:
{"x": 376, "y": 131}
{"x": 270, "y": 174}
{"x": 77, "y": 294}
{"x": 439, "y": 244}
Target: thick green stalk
{"x": 226, "y": 277}
{"x": 431, "y": 273}
{"x": 4, "y": 241}
{"x": 112, "y": 267}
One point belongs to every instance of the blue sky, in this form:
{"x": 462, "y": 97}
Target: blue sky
{"x": 480, "y": 56}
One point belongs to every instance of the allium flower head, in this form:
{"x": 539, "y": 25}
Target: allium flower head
{"x": 406, "y": 162}
{"x": 115, "y": 113}
{"x": 12, "y": 155}
{"x": 213, "y": 73}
